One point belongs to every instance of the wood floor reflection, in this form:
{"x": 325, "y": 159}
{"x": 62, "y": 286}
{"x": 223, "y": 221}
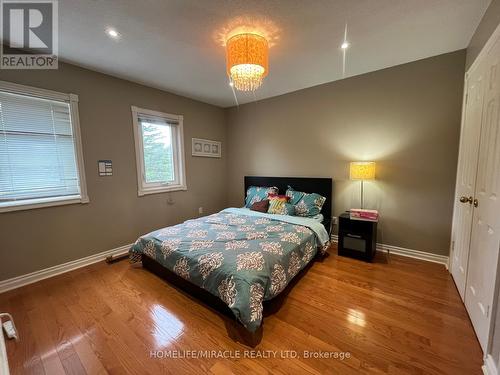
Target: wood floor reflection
{"x": 396, "y": 316}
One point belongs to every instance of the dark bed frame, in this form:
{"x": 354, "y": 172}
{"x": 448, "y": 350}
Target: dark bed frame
{"x": 236, "y": 331}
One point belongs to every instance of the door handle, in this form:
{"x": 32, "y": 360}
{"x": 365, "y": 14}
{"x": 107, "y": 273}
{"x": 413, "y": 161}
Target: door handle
{"x": 476, "y": 203}
{"x": 465, "y": 199}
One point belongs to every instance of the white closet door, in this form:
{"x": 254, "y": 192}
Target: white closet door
{"x": 485, "y": 240}
{"x": 466, "y": 177}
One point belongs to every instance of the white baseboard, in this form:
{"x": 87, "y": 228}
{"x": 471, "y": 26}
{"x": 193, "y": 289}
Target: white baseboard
{"x": 33, "y": 277}
{"x": 489, "y": 367}
{"x": 410, "y": 253}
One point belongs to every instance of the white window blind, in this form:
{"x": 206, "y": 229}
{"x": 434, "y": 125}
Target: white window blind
{"x": 38, "y": 158}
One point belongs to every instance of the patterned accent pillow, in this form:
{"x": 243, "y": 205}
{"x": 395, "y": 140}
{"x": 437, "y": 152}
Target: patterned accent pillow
{"x": 278, "y": 204}
{"x": 295, "y": 196}
{"x": 258, "y": 193}
{"x": 261, "y": 206}
{"x": 289, "y": 209}
{"x": 276, "y": 195}
{"x": 306, "y": 204}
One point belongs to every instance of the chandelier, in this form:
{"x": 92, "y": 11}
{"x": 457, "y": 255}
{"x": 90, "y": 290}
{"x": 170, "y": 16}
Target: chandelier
{"x": 247, "y": 60}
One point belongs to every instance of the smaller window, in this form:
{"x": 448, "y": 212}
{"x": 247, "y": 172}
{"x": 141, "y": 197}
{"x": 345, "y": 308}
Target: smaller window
{"x": 159, "y": 148}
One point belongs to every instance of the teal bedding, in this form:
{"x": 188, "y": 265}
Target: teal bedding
{"x": 241, "y": 256}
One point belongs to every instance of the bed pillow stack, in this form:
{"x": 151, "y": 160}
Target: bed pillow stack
{"x": 258, "y": 193}
{"x": 305, "y": 204}
{"x": 278, "y": 204}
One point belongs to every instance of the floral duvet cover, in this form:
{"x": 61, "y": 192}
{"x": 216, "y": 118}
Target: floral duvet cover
{"x": 241, "y": 256}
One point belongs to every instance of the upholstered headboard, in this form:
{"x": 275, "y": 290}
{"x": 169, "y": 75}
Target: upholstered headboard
{"x": 322, "y": 186}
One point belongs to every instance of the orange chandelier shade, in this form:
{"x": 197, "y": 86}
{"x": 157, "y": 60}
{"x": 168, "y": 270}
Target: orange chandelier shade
{"x": 247, "y": 58}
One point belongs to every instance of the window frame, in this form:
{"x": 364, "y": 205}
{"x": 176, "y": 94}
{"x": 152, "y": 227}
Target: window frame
{"x": 144, "y": 188}
{"x": 72, "y": 100}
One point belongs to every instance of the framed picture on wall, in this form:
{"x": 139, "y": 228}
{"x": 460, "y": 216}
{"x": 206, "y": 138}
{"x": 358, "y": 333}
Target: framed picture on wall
{"x": 206, "y": 148}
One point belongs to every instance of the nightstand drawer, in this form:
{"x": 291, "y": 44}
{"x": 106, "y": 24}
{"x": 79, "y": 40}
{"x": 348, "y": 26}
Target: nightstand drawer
{"x": 356, "y": 243}
{"x": 355, "y": 226}
{"x": 357, "y": 238}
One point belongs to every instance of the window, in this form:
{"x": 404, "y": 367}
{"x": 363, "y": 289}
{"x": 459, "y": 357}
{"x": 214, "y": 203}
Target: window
{"x": 41, "y": 160}
{"x": 159, "y": 146}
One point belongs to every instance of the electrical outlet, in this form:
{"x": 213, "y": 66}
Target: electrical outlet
{"x": 200, "y": 210}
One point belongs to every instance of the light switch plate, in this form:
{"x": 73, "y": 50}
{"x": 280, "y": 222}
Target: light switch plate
{"x": 105, "y": 168}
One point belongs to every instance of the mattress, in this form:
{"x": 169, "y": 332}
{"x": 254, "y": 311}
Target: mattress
{"x": 240, "y": 256}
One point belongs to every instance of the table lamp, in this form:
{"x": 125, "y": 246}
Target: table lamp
{"x": 362, "y": 170}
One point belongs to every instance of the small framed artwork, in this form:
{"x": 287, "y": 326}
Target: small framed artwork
{"x": 206, "y": 148}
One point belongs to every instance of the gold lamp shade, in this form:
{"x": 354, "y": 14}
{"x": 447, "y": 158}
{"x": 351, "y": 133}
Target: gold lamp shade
{"x": 362, "y": 170}
{"x": 247, "y": 58}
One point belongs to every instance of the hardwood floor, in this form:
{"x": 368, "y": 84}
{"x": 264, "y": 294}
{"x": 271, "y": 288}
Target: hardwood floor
{"x": 396, "y": 316}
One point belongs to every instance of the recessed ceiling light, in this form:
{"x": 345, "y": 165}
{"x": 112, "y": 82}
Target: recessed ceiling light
{"x": 231, "y": 84}
{"x": 112, "y": 33}
{"x": 345, "y": 45}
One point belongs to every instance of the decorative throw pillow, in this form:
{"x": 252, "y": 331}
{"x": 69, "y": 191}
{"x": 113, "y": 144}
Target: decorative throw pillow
{"x": 295, "y": 196}
{"x": 289, "y": 209}
{"x": 261, "y": 206}
{"x": 277, "y": 204}
{"x": 306, "y": 204}
{"x": 258, "y": 193}
{"x": 276, "y": 195}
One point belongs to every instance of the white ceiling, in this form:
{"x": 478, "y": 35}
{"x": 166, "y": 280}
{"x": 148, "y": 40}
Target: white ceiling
{"x": 175, "y": 45}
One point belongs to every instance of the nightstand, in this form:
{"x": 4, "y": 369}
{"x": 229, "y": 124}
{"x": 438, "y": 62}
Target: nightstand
{"x": 357, "y": 238}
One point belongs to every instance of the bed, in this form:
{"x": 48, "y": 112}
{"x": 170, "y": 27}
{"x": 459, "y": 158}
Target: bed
{"x": 242, "y": 258}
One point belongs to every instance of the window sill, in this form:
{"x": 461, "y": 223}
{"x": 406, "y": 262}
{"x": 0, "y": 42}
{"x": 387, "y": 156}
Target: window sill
{"x": 41, "y": 203}
{"x": 161, "y": 189}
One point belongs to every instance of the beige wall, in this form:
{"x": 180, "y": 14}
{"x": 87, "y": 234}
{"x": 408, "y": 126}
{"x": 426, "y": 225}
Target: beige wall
{"x": 37, "y": 239}
{"x": 488, "y": 24}
{"x": 406, "y": 118}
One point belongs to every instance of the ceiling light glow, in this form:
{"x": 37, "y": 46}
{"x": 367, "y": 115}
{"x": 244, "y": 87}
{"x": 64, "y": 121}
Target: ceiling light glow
{"x": 345, "y": 45}
{"x": 112, "y": 33}
{"x": 260, "y": 25}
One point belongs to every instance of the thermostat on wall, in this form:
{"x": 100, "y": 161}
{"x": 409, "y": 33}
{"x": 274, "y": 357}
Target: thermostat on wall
{"x": 105, "y": 167}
